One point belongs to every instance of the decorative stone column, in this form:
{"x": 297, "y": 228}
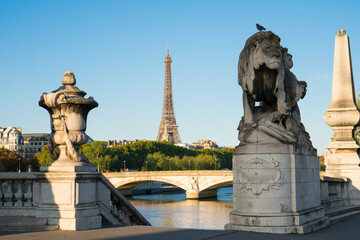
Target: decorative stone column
{"x": 342, "y": 159}
{"x": 276, "y": 170}
{"x": 66, "y": 191}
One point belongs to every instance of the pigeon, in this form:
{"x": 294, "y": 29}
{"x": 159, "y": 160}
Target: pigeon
{"x": 259, "y": 27}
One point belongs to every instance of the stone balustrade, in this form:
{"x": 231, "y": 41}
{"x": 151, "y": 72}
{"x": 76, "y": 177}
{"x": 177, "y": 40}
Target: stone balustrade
{"x": 120, "y": 208}
{"x": 16, "y": 192}
{"x": 334, "y": 191}
{"x": 21, "y": 196}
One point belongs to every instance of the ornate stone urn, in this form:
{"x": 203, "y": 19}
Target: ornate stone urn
{"x": 68, "y": 111}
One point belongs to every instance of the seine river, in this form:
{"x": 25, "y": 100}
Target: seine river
{"x": 174, "y": 210}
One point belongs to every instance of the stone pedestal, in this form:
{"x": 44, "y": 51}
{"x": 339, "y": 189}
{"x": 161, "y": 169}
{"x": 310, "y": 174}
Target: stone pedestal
{"x": 68, "y": 199}
{"x": 276, "y": 192}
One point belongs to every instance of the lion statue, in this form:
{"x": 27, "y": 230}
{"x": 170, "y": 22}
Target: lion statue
{"x": 261, "y": 74}
{"x": 270, "y": 91}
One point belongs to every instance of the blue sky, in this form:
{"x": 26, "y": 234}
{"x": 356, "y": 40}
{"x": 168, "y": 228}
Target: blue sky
{"x": 116, "y": 50}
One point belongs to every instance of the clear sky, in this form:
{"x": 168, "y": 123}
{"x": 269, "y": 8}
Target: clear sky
{"x": 116, "y": 50}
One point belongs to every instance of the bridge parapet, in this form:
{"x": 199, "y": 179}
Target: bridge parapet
{"x": 51, "y": 196}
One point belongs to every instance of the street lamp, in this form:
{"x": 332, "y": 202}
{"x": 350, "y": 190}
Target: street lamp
{"x": 146, "y": 166}
{"x": 170, "y": 164}
{"x": 124, "y": 165}
{"x": 19, "y": 159}
{"x": 189, "y": 164}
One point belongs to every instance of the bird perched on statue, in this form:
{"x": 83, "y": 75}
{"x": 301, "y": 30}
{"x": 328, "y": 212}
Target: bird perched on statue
{"x": 259, "y": 27}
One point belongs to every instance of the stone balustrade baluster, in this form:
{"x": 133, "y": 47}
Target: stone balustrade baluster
{"x": 8, "y": 194}
{"x": 1, "y": 194}
{"x": 18, "y": 193}
{"x": 112, "y": 207}
{"x": 125, "y": 214}
{"x": 27, "y": 189}
{"x": 117, "y": 212}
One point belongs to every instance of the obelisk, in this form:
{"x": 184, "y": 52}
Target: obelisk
{"x": 342, "y": 159}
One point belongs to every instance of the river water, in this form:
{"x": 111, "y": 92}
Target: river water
{"x": 174, "y": 210}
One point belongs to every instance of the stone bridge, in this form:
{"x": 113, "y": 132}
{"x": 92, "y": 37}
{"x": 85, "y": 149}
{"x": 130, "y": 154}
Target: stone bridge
{"x": 197, "y": 184}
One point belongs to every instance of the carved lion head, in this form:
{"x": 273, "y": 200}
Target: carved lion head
{"x": 261, "y": 49}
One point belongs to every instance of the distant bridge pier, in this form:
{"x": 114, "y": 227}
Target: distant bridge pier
{"x": 203, "y": 194}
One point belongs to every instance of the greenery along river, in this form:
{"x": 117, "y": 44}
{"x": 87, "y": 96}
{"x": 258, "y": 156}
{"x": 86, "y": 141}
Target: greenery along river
{"x": 174, "y": 210}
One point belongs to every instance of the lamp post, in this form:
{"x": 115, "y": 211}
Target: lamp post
{"x": 19, "y": 159}
{"x": 170, "y": 164}
{"x": 189, "y": 164}
{"x": 146, "y": 166}
{"x": 124, "y": 165}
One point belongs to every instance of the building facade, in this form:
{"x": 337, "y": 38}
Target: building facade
{"x": 11, "y": 139}
{"x": 111, "y": 143}
{"x": 205, "y": 144}
{"x": 34, "y": 142}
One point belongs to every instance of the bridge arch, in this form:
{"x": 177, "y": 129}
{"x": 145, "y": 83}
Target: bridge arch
{"x": 131, "y": 183}
{"x": 217, "y": 185}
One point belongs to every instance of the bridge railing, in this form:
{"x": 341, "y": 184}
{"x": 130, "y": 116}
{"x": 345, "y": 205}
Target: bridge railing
{"x": 16, "y": 194}
{"x": 17, "y": 199}
{"x": 176, "y": 172}
{"x": 119, "y": 207}
{"x": 334, "y": 191}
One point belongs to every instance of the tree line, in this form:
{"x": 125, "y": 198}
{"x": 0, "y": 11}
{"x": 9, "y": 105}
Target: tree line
{"x": 11, "y": 162}
{"x": 149, "y": 156}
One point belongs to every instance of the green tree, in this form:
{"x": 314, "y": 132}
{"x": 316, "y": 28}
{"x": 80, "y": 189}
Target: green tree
{"x": 9, "y": 161}
{"x": 4, "y": 151}
{"x": 99, "y": 155}
{"x": 322, "y": 163}
{"x": 154, "y": 162}
{"x": 357, "y": 129}
{"x": 135, "y": 155}
{"x": 44, "y": 158}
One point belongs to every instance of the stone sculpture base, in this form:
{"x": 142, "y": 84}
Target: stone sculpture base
{"x": 345, "y": 164}
{"x": 69, "y": 166}
{"x": 68, "y": 200}
{"x": 282, "y": 223}
{"x": 276, "y": 192}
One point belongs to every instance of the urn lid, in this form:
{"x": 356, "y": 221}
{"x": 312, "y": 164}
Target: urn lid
{"x": 70, "y": 94}
{"x": 68, "y": 87}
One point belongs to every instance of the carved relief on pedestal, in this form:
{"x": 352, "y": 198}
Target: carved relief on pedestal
{"x": 258, "y": 175}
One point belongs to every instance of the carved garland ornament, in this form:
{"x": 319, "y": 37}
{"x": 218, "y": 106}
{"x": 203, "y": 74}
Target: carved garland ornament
{"x": 258, "y": 174}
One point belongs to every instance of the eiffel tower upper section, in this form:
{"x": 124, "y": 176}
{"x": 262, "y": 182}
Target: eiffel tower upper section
{"x": 168, "y": 129}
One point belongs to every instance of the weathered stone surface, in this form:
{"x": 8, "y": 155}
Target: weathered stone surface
{"x": 342, "y": 159}
{"x": 68, "y": 111}
{"x": 276, "y": 171}
{"x": 342, "y": 114}
{"x": 270, "y": 95}
{"x": 69, "y": 200}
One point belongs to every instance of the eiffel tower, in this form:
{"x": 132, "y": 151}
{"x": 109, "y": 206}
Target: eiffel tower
{"x": 168, "y": 129}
